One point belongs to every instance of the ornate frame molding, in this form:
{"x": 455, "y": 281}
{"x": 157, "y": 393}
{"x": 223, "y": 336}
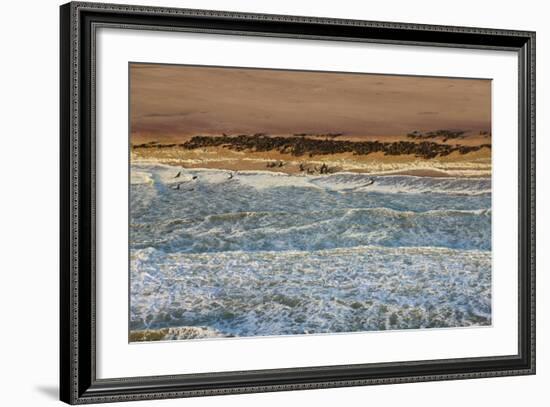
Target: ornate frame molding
{"x": 79, "y": 20}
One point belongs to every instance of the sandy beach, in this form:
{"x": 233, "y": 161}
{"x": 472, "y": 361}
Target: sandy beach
{"x": 309, "y": 123}
{"x": 475, "y": 163}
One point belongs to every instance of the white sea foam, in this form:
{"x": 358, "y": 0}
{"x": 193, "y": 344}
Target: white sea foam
{"x": 346, "y": 182}
{"x": 241, "y": 253}
{"x": 296, "y": 292}
{"x": 339, "y": 182}
{"x": 140, "y": 177}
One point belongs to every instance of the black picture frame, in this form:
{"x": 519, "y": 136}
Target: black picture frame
{"x": 78, "y": 382}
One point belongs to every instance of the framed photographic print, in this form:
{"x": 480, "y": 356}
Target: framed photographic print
{"x": 256, "y": 203}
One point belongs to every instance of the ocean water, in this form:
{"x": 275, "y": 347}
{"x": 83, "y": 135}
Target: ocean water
{"x": 222, "y": 253}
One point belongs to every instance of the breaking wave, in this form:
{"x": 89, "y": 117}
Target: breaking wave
{"x": 316, "y": 230}
{"x": 340, "y": 182}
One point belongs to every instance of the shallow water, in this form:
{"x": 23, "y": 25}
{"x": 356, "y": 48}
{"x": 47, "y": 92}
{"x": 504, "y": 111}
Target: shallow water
{"x": 257, "y": 253}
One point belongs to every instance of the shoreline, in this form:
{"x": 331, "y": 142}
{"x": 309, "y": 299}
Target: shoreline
{"x": 422, "y": 169}
{"x": 325, "y": 154}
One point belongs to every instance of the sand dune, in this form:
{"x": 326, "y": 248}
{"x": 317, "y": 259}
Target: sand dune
{"x": 171, "y": 101}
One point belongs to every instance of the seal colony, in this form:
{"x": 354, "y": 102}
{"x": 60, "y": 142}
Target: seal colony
{"x": 314, "y": 154}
